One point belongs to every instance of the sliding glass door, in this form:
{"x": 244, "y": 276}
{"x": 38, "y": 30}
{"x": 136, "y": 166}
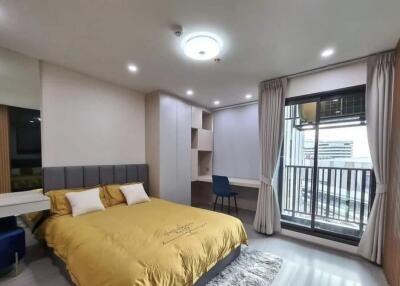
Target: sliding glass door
{"x": 297, "y": 193}
{"x": 326, "y": 178}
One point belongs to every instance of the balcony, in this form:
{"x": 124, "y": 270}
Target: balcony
{"x": 343, "y": 199}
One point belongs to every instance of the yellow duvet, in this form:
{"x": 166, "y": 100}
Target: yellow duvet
{"x": 152, "y": 243}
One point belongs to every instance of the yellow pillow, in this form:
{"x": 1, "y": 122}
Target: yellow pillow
{"x": 114, "y": 194}
{"x": 60, "y": 204}
{"x": 31, "y": 219}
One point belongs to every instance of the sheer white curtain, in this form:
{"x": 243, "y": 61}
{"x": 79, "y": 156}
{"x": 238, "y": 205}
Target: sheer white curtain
{"x": 271, "y": 117}
{"x": 379, "y": 102}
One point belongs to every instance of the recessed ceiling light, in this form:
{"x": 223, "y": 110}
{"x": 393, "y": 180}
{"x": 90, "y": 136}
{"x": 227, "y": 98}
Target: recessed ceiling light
{"x": 202, "y": 46}
{"x": 249, "y": 96}
{"x": 327, "y": 53}
{"x": 216, "y": 102}
{"x": 189, "y": 92}
{"x": 132, "y": 68}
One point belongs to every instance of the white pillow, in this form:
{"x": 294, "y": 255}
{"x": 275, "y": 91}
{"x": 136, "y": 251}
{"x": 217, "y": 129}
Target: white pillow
{"x": 85, "y": 201}
{"x": 134, "y": 194}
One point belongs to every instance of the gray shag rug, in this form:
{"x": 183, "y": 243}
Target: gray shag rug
{"x": 251, "y": 268}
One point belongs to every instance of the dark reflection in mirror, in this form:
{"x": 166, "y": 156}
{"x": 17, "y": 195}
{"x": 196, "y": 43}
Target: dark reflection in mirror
{"x": 25, "y": 149}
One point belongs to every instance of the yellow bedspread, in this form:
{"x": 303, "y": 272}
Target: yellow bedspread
{"x": 153, "y": 243}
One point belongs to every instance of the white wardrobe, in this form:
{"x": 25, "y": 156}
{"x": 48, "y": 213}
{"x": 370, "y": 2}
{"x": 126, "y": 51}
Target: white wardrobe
{"x": 168, "y": 147}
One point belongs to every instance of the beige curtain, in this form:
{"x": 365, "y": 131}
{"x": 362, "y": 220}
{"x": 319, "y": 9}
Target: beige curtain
{"x": 271, "y": 117}
{"x": 379, "y": 102}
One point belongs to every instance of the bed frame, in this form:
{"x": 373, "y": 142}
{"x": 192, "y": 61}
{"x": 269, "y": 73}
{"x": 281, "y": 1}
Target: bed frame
{"x": 90, "y": 176}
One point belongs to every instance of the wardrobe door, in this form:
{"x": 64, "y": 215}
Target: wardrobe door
{"x": 168, "y": 149}
{"x": 183, "y": 152}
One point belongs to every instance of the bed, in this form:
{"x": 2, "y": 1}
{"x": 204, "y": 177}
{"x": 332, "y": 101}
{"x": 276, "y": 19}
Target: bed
{"x": 152, "y": 243}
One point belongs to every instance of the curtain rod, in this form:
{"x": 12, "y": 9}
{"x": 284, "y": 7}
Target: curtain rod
{"x": 235, "y": 105}
{"x": 297, "y": 74}
{"x": 328, "y": 67}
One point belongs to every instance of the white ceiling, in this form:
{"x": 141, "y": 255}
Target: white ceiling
{"x": 262, "y": 39}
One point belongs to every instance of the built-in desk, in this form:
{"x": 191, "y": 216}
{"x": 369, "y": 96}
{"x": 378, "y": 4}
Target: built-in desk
{"x": 18, "y": 203}
{"x": 248, "y": 191}
{"x": 14, "y": 204}
{"x": 254, "y": 184}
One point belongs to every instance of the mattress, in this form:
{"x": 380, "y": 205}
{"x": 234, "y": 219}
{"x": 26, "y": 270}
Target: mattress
{"x": 152, "y": 243}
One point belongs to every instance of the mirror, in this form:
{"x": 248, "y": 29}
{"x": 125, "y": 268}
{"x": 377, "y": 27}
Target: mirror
{"x": 20, "y": 143}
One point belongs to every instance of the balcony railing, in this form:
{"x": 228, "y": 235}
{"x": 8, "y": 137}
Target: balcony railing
{"x": 342, "y": 201}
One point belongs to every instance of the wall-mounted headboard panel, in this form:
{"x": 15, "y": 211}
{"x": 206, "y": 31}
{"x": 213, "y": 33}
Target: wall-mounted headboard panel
{"x": 89, "y": 176}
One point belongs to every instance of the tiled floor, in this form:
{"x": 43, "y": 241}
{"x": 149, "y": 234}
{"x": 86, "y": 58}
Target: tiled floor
{"x": 305, "y": 264}
{"x": 308, "y": 264}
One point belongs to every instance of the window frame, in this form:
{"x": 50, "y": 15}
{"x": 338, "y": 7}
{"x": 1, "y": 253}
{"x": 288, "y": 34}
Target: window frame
{"x": 318, "y": 97}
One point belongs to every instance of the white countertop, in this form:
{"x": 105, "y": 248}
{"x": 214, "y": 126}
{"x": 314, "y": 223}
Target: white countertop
{"x": 233, "y": 181}
{"x": 22, "y": 202}
{"x": 21, "y": 198}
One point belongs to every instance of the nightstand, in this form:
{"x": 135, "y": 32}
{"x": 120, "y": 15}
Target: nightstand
{"x": 12, "y": 237}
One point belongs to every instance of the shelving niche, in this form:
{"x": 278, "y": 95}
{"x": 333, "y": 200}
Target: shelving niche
{"x": 202, "y": 142}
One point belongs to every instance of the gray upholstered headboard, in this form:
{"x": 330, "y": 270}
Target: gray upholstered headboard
{"x": 89, "y": 176}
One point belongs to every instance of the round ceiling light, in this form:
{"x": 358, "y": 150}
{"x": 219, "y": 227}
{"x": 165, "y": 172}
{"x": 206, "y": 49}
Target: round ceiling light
{"x": 202, "y": 46}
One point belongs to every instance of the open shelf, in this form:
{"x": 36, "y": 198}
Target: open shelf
{"x": 195, "y": 164}
{"x": 205, "y": 163}
{"x": 206, "y": 120}
{"x": 205, "y": 140}
{"x": 201, "y": 142}
{"x": 195, "y": 138}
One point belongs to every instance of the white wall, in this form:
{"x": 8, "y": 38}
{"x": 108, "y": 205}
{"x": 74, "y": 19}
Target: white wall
{"x": 86, "y": 121}
{"x": 19, "y": 80}
{"x": 236, "y": 146}
{"x": 340, "y": 77}
{"x": 236, "y": 150}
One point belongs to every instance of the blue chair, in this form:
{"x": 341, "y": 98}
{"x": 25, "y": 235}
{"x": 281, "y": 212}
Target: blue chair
{"x": 12, "y": 243}
{"x": 221, "y": 188}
